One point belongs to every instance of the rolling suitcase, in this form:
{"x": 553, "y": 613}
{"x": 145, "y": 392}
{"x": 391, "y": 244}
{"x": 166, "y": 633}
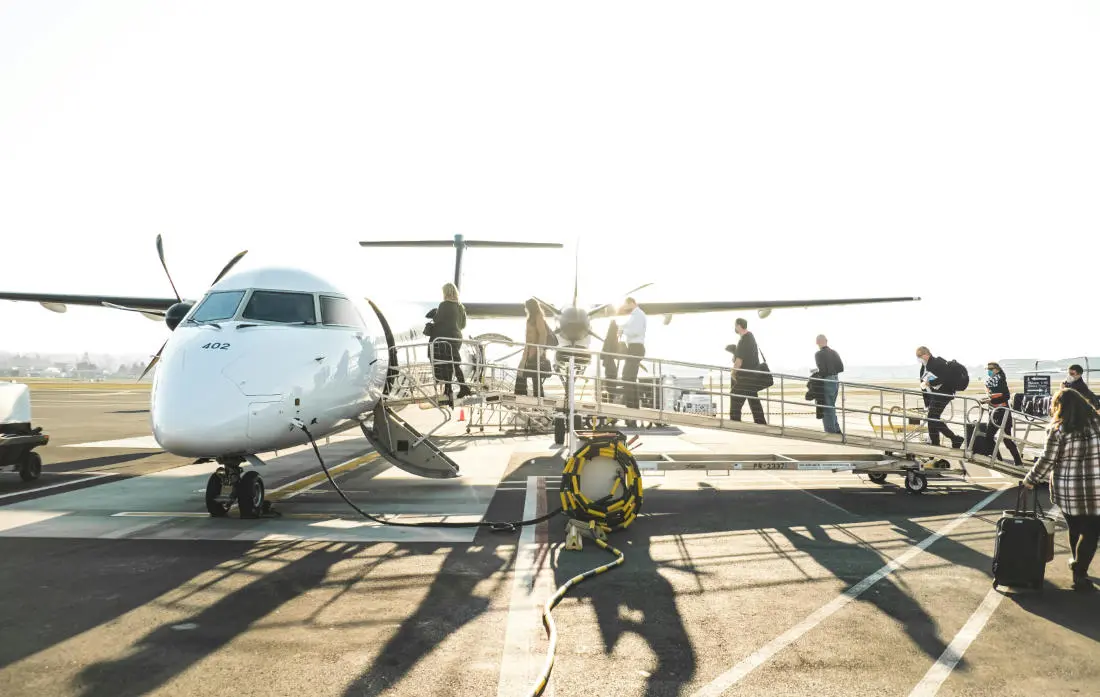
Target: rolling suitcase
{"x": 983, "y": 444}
{"x": 1024, "y": 545}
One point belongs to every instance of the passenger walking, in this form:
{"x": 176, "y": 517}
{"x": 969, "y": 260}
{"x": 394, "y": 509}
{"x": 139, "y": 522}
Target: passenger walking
{"x": 829, "y": 367}
{"x": 610, "y": 363}
{"x": 746, "y": 385}
{"x": 534, "y": 365}
{"x": 450, "y": 320}
{"x": 1072, "y": 457}
{"x": 633, "y": 338}
{"x": 1076, "y": 382}
{"x": 999, "y": 399}
{"x": 939, "y": 391}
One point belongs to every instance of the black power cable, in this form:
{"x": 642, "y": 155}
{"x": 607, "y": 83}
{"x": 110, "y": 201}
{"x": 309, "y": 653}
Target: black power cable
{"x": 501, "y": 526}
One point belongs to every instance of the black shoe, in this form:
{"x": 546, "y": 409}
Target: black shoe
{"x": 464, "y": 392}
{"x": 1083, "y": 584}
{"x": 957, "y": 442}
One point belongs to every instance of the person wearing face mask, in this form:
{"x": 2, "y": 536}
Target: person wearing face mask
{"x": 938, "y": 394}
{"x": 996, "y": 386}
{"x": 1076, "y": 382}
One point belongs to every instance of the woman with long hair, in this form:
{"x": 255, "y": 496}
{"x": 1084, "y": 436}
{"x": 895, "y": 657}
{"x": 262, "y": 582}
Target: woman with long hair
{"x": 1072, "y": 457}
{"x": 534, "y": 365}
{"x": 450, "y": 320}
{"x": 1000, "y": 399}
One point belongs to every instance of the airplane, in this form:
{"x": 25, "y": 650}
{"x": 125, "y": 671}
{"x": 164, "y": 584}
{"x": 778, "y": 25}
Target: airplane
{"x": 574, "y": 322}
{"x": 266, "y": 351}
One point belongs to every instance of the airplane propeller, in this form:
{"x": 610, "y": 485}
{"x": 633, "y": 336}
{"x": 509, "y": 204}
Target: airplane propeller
{"x": 175, "y": 314}
{"x": 595, "y": 311}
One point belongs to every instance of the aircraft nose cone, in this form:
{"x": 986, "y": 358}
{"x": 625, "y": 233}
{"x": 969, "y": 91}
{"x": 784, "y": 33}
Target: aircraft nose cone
{"x": 574, "y": 324}
{"x": 197, "y": 415}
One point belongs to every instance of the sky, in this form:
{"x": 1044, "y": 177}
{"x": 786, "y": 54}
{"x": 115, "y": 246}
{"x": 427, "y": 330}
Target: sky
{"x": 721, "y": 150}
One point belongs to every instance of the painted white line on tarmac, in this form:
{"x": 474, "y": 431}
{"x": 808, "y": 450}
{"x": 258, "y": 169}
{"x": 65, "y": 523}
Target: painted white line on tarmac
{"x": 813, "y": 495}
{"x": 35, "y": 490}
{"x": 10, "y": 520}
{"x": 137, "y": 442}
{"x": 520, "y": 663}
{"x": 942, "y": 668}
{"x": 737, "y": 673}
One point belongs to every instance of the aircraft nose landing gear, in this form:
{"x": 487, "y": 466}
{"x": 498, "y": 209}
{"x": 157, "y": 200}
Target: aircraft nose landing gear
{"x": 228, "y": 484}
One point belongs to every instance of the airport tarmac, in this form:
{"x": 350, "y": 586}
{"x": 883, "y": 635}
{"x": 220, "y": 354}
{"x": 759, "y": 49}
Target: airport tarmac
{"x": 774, "y": 582}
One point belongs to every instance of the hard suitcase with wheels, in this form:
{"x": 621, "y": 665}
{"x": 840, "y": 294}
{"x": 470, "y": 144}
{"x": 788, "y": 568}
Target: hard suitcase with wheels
{"x": 983, "y": 443}
{"x": 1024, "y": 545}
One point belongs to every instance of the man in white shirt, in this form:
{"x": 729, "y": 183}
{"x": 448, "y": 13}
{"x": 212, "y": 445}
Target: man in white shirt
{"x": 633, "y": 340}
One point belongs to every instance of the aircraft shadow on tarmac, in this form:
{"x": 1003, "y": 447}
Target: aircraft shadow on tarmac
{"x": 675, "y": 512}
{"x": 457, "y": 594}
{"x": 76, "y": 604}
{"x": 165, "y": 652}
{"x": 90, "y": 463}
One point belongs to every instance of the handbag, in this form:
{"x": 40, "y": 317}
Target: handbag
{"x": 765, "y": 380}
{"x": 751, "y": 383}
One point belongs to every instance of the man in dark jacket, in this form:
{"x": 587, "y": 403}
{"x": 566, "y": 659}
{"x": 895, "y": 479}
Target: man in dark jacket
{"x": 745, "y": 387}
{"x": 1076, "y": 382}
{"x": 829, "y": 367}
{"x": 938, "y": 394}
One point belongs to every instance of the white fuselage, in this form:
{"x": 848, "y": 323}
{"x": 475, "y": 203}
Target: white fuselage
{"x": 229, "y": 384}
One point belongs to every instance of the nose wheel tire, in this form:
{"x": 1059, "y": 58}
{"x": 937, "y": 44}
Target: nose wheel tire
{"x": 877, "y": 477}
{"x": 915, "y": 483}
{"x": 31, "y": 467}
{"x": 250, "y": 494}
{"x": 215, "y": 504}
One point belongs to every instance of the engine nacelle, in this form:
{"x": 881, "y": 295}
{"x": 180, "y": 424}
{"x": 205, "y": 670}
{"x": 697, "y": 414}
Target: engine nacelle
{"x": 175, "y": 314}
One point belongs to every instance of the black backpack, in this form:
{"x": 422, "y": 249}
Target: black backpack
{"x": 957, "y": 377}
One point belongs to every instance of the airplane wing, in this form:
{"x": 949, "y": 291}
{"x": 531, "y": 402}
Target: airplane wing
{"x": 487, "y": 310}
{"x": 683, "y": 308}
{"x": 59, "y": 302}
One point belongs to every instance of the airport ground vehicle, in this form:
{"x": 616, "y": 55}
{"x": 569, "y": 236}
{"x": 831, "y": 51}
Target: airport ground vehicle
{"x": 18, "y": 438}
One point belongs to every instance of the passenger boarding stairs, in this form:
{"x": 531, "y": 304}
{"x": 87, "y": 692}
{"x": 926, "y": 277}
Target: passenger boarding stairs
{"x": 872, "y": 417}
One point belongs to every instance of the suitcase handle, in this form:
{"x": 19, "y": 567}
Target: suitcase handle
{"x": 1021, "y": 497}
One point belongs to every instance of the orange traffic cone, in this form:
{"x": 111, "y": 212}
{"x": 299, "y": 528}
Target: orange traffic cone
{"x": 461, "y": 414}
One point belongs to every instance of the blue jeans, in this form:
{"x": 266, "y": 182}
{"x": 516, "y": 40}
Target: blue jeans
{"x": 832, "y": 387}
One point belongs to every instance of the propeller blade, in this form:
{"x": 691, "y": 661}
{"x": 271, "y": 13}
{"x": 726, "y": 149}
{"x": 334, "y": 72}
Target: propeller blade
{"x": 230, "y": 265}
{"x": 548, "y": 306}
{"x": 595, "y": 336}
{"x": 152, "y": 362}
{"x": 601, "y": 308}
{"x": 160, "y": 253}
{"x": 576, "y": 272}
{"x": 635, "y": 290}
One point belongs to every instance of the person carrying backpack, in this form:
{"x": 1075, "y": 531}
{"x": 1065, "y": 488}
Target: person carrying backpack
{"x": 940, "y": 380}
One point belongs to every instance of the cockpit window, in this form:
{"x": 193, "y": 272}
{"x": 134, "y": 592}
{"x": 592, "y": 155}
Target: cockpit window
{"x": 280, "y": 306}
{"x": 339, "y": 311}
{"x": 218, "y": 306}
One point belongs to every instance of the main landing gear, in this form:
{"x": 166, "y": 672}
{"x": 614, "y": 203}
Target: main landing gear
{"x": 228, "y": 485}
